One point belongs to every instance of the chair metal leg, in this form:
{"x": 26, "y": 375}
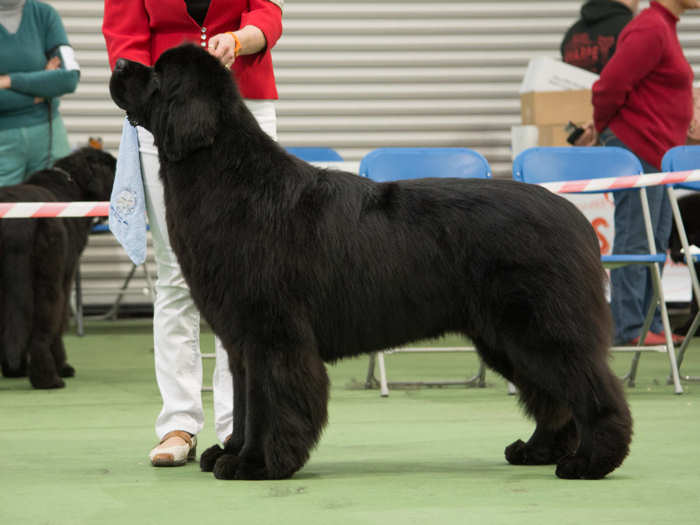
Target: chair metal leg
{"x": 659, "y": 293}
{"x": 632, "y": 373}
{"x": 383, "y": 385}
{"x": 370, "y": 380}
{"x": 377, "y": 358}
{"x": 114, "y": 310}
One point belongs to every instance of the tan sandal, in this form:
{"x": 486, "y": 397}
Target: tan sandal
{"x": 174, "y": 455}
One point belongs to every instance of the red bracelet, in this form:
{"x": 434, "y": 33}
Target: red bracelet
{"x": 237, "y": 46}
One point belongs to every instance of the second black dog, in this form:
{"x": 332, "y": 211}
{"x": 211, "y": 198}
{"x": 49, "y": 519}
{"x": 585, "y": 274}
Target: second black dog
{"x": 38, "y": 260}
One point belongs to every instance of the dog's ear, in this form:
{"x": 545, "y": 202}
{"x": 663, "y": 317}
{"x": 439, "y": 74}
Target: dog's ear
{"x": 186, "y": 127}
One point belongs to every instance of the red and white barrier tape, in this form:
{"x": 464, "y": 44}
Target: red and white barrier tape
{"x": 620, "y": 183}
{"x": 16, "y": 210}
{"x": 10, "y": 210}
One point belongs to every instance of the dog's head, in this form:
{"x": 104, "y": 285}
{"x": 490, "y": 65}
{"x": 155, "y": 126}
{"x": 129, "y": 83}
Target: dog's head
{"x": 92, "y": 170}
{"x": 179, "y": 100}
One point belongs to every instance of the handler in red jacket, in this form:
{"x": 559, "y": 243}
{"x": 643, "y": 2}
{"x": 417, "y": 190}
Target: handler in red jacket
{"x": 240, "y": 33}
{"x": 643, "y": 102}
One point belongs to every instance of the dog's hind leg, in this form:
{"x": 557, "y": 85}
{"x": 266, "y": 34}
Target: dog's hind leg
{"x": 287, "y": 395}
{"x": 17, "y": 309}
{"x": 233, "y": 446}
{"x": 604, "y": 424}
{"x": 48, "y": 309}
{"x": 555, "y": 433}
{"x": 555, "y": 383}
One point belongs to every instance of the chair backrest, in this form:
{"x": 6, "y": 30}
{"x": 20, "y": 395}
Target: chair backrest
{"x": 553, "y": 164}
{"x": 682, "y": 158}
{"x": 315, "y": 154}
{"x": 386, "y": 164}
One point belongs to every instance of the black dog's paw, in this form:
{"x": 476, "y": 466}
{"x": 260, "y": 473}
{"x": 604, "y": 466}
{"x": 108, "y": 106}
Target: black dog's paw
{"x": 515, "y": 452}
{"x": 67, "y": 371}
{"x": 251, "y": 470}
{"x": 46, "y": 383}
{"x": 226, "y": 466}
{"x": 8, "y": 371}
{"x": 520, "y": 453}
{"x": 572, "y": 467}
{"x": 208, "y": 458}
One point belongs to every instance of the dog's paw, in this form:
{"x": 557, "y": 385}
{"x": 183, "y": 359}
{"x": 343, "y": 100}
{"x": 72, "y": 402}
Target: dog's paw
{"x": 208, "y": 458}
{"x": 520, "y": 453}
{"x": 572, "y": 467}
{"x": 226, "y": 466}
{"x": 8, "y": 371}
{"x": 46, "y": 383}
{"x": 515, "y": 452}
{"x": 67, "y": 371}
{"x": 251, "y": 470}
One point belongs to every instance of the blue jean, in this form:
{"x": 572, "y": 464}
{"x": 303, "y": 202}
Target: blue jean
{"x": 631, "y": 287}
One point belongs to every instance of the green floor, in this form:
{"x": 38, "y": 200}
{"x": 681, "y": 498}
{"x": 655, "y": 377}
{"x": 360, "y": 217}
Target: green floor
{"x": 435, "y": 456}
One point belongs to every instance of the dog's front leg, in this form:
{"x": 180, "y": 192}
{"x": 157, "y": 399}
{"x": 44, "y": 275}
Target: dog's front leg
{"x": 234, "y": 444}
{"x": 287, "y": 396}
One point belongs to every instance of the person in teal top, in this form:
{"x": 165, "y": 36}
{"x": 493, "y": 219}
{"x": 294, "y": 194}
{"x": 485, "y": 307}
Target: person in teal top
{"x": 37, "y": 65}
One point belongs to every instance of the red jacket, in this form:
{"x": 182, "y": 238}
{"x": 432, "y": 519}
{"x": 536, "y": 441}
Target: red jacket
{"x": 142, "y": 30}
{"x": 645, "y": 92}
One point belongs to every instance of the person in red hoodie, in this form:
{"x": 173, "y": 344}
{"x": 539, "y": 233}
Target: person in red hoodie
{"x": 240, "y": 33}
{"x": 643, "y": 102}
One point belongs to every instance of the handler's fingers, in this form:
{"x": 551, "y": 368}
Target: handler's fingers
{"x": 216, "y": 47}
{"x": 222, "y": 47}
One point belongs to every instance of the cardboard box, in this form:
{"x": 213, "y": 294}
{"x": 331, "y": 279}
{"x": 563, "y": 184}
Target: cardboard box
{"x": 555, "y": 107}
{"x": 549, "y": 74}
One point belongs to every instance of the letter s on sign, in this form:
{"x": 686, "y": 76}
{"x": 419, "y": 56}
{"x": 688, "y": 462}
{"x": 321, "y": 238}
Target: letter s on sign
{"x": 604, "y": 244}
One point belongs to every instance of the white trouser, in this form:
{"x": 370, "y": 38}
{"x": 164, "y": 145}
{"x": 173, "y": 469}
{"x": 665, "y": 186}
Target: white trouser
{"x": 178, "y": 360}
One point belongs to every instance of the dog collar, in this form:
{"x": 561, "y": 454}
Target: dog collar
{"x": 64, "y": 172}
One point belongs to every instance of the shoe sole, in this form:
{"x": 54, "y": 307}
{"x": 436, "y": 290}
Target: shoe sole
{"x": 164, "y": 461}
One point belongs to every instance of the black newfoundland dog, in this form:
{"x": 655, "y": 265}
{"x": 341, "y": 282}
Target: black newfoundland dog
{"x": 294, "y": 266}
{"x": 38, "y": 259}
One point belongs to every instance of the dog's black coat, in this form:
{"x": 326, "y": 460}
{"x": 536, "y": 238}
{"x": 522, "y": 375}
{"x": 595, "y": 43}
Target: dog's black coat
{"x": 294, "y": 265}
{"x": 38, "y": 260}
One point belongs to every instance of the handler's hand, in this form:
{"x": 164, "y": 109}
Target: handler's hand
{"x": 222, "y": 47}
{"x": 5, "y": 82}
{"x": 589, "y": 137}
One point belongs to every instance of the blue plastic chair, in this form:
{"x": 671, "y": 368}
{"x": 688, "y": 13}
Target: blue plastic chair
{"x": 315, "y": 154}
{"x": 684, "y": 158}
{"x": 389, "y": 164}
{"x": 556, "y": 164}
